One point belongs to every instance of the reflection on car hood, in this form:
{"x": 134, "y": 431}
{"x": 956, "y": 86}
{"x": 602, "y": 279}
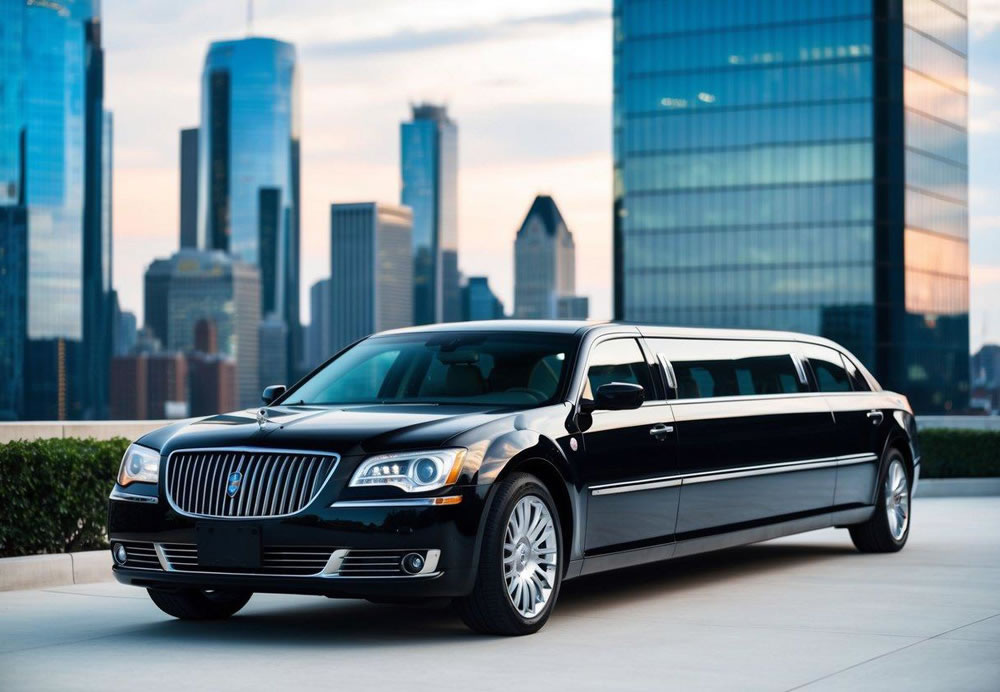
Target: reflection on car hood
{"x": 356, "y": 429}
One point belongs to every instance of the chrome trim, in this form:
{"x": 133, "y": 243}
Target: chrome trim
{"x": 627, "y": 487}
{"x": 124, "y": 496}
{"x": 800, "y": 368}
{"x": 668, "y": 372}
{"x": 731, "y": 474}
{"x": 400, "y": 502}
{"x": 251, "y": 450}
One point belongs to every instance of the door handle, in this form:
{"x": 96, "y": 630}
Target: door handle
{"x": 875, "y": 417}
{"x": 661, "y": 430}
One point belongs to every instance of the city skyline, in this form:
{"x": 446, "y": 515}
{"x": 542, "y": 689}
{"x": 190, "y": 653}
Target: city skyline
{"x": 529, "y": 125}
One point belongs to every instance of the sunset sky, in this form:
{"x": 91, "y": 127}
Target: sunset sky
{"x": 527, "y": 81}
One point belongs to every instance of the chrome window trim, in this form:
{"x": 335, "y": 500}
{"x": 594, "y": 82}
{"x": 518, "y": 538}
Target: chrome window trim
{"x": 126, "y": 496}
{"x": 400, "y": 502}
{"x": 251, "y": 450}
{"x": 731, "y": 474}
{"x": 583, "y": 360}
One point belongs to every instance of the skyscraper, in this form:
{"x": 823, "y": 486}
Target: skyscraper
{"x": 429, "y": 155}
{"x": 799, "y": 166}
{"x": 320, "y": 341}
{"x": 248, "y": 182}
{"x": 55, "y": 158}
{"x": 371, "y": 270}
{"x": 189, "y": 187}
{"x": 479, "y": 302}
{"x": 193, "y": 285}
{"x": 544, "y": 262}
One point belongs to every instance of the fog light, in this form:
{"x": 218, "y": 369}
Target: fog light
{"x": 413, "y": 563}
{"x": 119, "y": 553}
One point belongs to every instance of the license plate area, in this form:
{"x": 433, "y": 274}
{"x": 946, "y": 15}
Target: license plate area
{"x": 224, "y": 546}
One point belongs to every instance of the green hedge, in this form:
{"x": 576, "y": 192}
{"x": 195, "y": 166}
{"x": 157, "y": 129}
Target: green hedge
{"x": 959, "y": 453}
{"x": 54, "y": 494}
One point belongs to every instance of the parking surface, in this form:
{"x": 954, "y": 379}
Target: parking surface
{"x": 805, "y": 612}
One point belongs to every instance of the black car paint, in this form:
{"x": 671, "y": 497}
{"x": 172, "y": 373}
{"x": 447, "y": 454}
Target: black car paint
{"x": 572, "y": 450}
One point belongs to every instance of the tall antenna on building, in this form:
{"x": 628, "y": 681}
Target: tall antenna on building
{"x": 249, "y": 17}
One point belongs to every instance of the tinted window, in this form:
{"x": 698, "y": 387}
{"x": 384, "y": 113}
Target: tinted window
{"x": 828, "y": 369}
{"x": 617, "y": 360}
{"x": 858, "y": 381}
{"x": 446, "y": 367}
{"x": 710, "y": 368}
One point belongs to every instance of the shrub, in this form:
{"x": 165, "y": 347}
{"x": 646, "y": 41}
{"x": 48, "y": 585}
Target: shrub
{"x": 949, "y": 453}
{"x": 54, "y": 494}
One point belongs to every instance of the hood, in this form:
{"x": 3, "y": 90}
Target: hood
{"x": 347, "y": 430}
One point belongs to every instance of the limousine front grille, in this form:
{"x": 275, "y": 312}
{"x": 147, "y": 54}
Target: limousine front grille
{"x": 281, "y": 560}
{"x": 245, "y": 483}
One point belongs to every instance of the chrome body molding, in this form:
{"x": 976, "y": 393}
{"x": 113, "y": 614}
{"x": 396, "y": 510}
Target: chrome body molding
{"x": 125, "y": 496}
{"x": 247, "y": 450}
{"x": 742, "y": 472}
{"x": 396, "y": 502}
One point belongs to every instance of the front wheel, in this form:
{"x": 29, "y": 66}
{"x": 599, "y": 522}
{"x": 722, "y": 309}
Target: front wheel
{"x": 200, "y": 604}
{"x": 889, "y": 527}
{"x": 519, "y": 570}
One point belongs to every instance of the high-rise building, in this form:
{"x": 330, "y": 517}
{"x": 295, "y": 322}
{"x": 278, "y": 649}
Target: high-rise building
{"x": 319, "y": 345}
{"x": 55, "y": 169}
{"x": 129, "y": 397}
{"x": 429, "y": 155}
{"x": 273, "y": 339}
{"x": 371, "y": 272}
{"x": 195, "y": 284}
{"x": 479, "y": 302}
{"x": 799, "y": 166}
{"x": 544, "y": 262}
{"x": 211, "y": 375}
{"x": 572, "y": 308}
{"x": 248, "y": 162}
{"x": 189, "y": 187}
{"x": 13, "y": 309}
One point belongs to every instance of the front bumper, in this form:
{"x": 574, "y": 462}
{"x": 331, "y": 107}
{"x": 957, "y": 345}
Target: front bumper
{"x": 383, "y": 530}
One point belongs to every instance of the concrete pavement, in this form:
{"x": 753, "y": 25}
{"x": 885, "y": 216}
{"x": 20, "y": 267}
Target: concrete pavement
{"x": 806, "y": 612}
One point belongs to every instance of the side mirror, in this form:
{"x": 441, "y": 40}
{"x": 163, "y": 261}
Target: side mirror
{"x": 616, "y": 396}
{"x": 272, "y": 393}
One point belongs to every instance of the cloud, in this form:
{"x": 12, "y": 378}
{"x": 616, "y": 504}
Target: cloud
{"x": 411, "y": 41}
{"x": 984, "y": 17}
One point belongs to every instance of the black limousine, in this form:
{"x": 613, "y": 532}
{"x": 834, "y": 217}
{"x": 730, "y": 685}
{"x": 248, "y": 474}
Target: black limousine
{"x": 487, "y": 462}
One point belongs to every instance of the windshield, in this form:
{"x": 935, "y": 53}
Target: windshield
{"x": 514, "y": 369}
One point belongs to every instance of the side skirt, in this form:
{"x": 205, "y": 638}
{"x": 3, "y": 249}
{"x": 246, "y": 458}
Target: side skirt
{"x": 704, "y": 544}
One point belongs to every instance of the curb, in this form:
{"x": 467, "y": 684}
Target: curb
{"x": 41, "y": 571}
{"x": 957, "y": 487}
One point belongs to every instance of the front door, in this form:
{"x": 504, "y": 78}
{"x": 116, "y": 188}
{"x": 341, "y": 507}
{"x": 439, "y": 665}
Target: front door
{"x": 627, "y": 456}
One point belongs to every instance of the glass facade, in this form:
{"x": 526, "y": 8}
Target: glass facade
{"x": 248, "y": 160}
{"x": 55, "y": 164}
{"x": 761, "y": 180}
{"x": 429, "y": 155}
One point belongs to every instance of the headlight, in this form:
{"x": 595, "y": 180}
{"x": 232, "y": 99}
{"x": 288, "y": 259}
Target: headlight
{"x": 414, "y": 472}
{"x": 139, "y": 465}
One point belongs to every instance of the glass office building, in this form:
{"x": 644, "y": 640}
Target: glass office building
{"x": 248, "y": 168}
{"x": 802, "y": 166}
{"x": 55, "y": 167}
{"x": 429, "y": 155}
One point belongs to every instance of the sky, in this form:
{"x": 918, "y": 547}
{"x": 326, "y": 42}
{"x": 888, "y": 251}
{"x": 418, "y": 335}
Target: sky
{"x": 527, "y": 81}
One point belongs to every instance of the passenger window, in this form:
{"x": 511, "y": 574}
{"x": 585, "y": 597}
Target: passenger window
{"x": 858, "y": 381}
{"x": 617, "y": 360}
{"x": 828, "y": 369}
{"x": 768, "y": 375}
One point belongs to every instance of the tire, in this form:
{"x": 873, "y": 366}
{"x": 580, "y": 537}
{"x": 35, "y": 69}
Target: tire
{"x": 535, "y": 563}
{"x": 889, "y": 526}
{"x": 199, "y": 604}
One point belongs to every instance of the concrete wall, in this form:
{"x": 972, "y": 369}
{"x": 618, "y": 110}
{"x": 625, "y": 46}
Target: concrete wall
{"x": 100, "y": 430}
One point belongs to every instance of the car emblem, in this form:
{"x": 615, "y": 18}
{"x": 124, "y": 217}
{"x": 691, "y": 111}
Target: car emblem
{"x": 235, "y": 480}
{"x": 262, "y": 417}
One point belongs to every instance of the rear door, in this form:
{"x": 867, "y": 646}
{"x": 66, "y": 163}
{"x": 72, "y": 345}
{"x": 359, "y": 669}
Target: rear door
{"x": 753, "y": 441}
{"x": 627, "y": 455}
{"x": 860, "y": 426}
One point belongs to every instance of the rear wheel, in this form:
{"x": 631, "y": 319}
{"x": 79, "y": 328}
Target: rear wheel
{"x": 889, "y": 527}
{"x": 519, "y": 571}
{"x": 200, "y": 604}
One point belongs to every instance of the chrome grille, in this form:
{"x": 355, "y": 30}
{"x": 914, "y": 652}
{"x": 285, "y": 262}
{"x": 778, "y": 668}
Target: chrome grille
{"x": 272, "y": 483}
{"x": 383, "y": 563}
{"x": 140, "y": 555}
{"x": 284, "y": 560}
